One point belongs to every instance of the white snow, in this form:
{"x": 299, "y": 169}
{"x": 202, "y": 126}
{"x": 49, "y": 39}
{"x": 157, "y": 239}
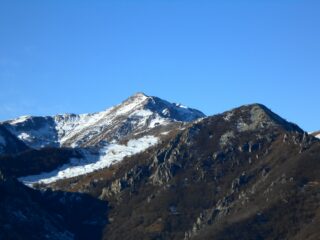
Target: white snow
{"x": 142, "y": 113}
{"x": 165, "y": 111}
{"x": 138, "y": 100}
{"x": 316, "y": 134}
{"x": 187, "y": 112}
{"x": 165, "y": 133}
{"x": 69, "y": 125}
{"x": 75, "y": 130}
{"x": 24, "y": 136}
{"x": 158, "y": 121}
{"x": 199, "y": 120}
{"x": 91, "y": 162}
{"x": 89, "y": 125}
{"x": 20, "y": 119}
{"x": 181, "y": 106}
{"x": 2, "y": 141}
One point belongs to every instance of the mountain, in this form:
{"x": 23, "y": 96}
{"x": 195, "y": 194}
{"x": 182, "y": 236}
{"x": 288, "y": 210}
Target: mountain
{"x": 243, "y": 174}
{"x": 229, "y": 176}
{"x": 101, "y": 139}
{"x": 139, "y": 113}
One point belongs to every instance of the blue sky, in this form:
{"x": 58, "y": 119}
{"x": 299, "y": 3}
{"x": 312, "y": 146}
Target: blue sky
{"x": 84, "y": 56}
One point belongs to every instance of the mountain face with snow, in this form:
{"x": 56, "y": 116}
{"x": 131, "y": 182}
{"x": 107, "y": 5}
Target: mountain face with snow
{"x": 139, "y": 113}
{"x": 150, "y": 169}
{"x": 316, "y": 134}
{"x": 102, "y": 138}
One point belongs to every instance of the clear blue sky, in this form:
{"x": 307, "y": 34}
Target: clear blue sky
{"x": 84, "y": 56}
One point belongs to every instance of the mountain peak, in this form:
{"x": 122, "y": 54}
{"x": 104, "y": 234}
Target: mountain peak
{"x": 134, "y": 102}
{"x": 257, "y": 115}
{"x": 139, "y": 113}
{"x": 174, "y": 111}
{"x": 140, "y": 95}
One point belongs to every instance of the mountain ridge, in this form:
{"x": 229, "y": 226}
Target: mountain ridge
{"x": 138, "y": 112}
{"x": 208, "y": 173}
{"x": 228, "y": 176}
{"x": 247, "y": 118}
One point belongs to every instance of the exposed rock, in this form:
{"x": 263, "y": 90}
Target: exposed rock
{"x": 225, "y": 138}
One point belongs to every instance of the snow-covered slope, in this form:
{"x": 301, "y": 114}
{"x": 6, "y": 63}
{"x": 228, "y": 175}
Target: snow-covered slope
{"x": 137, "y": 114}
{"x": 103, "y": 138}
{"x": 92, "y": 161}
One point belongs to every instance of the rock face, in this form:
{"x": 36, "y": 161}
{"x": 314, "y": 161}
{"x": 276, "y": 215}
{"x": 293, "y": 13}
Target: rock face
{"x": 243, "y": 174}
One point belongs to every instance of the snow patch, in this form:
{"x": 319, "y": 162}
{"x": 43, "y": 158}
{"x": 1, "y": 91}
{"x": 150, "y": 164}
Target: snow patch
{"x": 137, "y": 100}
{"x": 108, "y": 155}
{"x": 165, "y": 133}
{"x": 157, "y": 121}
{"x": 20, "y": 120}
{"x": 199, "y": 120}
{"x": 165, "y": 112}
{"x": 318, "y": 136}
{"x": 142, "y": 113}
{"x": 24, "y": 136}
{"x": 181, "y": 106}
